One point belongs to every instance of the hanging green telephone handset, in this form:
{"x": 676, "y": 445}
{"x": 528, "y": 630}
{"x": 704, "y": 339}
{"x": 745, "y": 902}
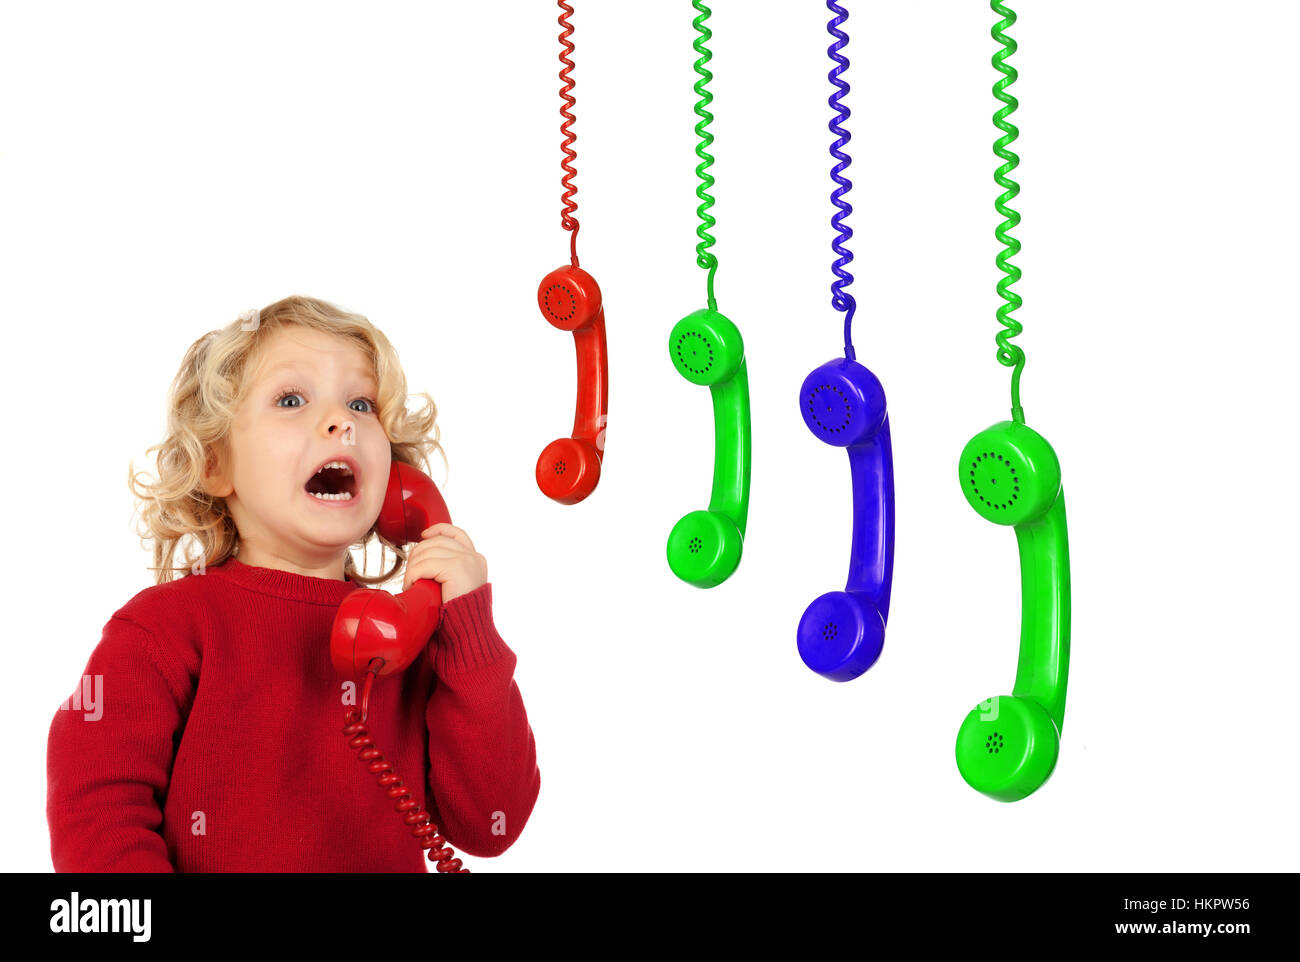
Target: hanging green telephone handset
{"x": 1007, "y": 746}
{"x": 704, "y": 547}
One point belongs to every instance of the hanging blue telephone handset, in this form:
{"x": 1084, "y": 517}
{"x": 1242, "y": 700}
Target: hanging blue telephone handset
{"x": 841, "y": 633}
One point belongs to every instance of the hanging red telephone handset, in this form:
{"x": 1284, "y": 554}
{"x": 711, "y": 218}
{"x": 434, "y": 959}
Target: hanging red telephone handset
{"x": 376, "y": 633}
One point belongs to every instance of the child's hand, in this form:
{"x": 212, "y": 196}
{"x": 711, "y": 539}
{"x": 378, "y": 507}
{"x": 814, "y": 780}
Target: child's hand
{"x": 446, "y": 555}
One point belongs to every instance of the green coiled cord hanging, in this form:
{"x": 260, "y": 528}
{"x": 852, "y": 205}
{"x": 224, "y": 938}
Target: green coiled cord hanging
{"x": 1009, "y": 355}
{"x": 703, "y": 256}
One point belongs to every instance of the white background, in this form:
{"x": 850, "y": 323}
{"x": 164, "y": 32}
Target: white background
{"x": 164, "y": 167}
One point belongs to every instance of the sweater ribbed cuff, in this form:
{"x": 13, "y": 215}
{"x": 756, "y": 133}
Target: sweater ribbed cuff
{"x": 467, "y": 639}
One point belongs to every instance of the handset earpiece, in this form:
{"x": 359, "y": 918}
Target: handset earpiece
{"x": 1007, "y": 746}
{"x": 842, "y": 633}
{"x": 704, "y": 547}
{"x": 568, "y": 469}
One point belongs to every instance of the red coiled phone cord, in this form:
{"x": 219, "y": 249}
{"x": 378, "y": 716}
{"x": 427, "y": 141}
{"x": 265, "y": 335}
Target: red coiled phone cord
{"x": 567, "y": 220}
{"x": 422, "y": 827}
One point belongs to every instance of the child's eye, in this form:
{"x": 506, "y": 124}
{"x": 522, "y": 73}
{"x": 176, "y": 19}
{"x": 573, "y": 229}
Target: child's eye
{"x": 285, "y": 395}
{"x": 369, "y": 405}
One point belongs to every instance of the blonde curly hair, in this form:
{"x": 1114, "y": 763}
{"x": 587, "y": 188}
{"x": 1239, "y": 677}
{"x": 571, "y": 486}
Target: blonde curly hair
{"x": 203, "y": 400}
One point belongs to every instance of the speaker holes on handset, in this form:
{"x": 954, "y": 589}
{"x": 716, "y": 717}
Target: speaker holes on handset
{"x": 994, "y": 743}
{"x": 560, "y": 467}
{"x": 690, "y": 356}
{"x": 830, "y": 630}
{"x": 821, "y": 405}
{"x": 695, "y": 545}
{"x": 557, "y": 298}
{"x": 1003, "y": 495}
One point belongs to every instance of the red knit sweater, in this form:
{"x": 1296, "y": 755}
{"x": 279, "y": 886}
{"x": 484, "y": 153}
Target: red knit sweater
{"x": 216, "y": 745}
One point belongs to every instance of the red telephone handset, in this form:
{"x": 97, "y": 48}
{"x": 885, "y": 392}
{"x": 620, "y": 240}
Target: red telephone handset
{"x": 376, "y": 633}
{"x": 375, "y": 624}
{"x": 568, "y": 469}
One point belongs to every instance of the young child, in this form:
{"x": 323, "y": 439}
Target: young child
{"x": 215, "y": 742}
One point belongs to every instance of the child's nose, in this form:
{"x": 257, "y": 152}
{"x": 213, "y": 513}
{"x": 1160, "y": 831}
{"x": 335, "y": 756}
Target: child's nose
{"x": 342, "y": 427}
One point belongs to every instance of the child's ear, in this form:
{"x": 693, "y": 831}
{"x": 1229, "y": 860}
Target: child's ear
{"x": 216, "y": 482}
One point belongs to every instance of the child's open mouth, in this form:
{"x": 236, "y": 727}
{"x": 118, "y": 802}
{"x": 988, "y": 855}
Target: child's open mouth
{"x": 334, "y": 481}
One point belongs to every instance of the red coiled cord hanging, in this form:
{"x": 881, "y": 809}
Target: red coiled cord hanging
{"x": 567, "y": 221}
{"x": 422, "y": 827}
